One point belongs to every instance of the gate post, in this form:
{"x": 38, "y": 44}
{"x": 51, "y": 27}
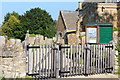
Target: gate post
{"x": 114, "y": 58}
{"x": 26, "y": 43}
{"x": 57, "y": 61}
{"x": 27, "y": 61}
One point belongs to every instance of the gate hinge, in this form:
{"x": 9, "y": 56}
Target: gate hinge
{"x": 109, "y": 46}
{"x": 60, "y": 47}
{"x": 109, "y": 68}
{"x": 87, "y": 49}
{"x": 62, "y": 72}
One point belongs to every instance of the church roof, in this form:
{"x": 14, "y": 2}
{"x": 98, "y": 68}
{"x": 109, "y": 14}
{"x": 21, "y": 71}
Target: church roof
{"x": 70, "y": 19}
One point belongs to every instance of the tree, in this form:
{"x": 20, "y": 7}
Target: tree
{"x": 38, "y": 21}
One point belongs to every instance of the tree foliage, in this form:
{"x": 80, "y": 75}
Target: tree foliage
{"x": 10, "y": 26}
{"x": 36, "y": 20}
{"x": 6, "y": 18}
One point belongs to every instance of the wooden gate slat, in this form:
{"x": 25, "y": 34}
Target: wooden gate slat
{"x": 68, "y": 61}
{"x": 40, "y": 62}
{"x": 82, "y": 59}
{"x": 71, "y": 60}
{"x": 79, "y": 59}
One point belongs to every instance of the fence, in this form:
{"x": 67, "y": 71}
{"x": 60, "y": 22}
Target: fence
{"x": 64, "y": 60}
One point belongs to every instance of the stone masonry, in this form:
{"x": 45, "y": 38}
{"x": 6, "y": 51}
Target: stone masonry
{"x": 12, "y": 58}
{"x": 13, "y": 55}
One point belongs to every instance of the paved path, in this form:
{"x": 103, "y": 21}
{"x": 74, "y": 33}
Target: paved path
{"x": 97, "y": 76}
{"x": 92, "y": 77}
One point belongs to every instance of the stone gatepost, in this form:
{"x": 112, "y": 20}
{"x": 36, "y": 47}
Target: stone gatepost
{"x": 115, "y": 52}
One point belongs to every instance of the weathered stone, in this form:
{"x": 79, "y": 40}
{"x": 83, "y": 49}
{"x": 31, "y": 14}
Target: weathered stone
{"x": 2, "y": 43}
{"x": 2, "y": 40}
{"x": 31, "y": 40}
{"x": 115, "y": 35}
{"x": 48, "y": 41}
{"x": 1, "y": 60}
{"x": 8, "y": 74}
{"x": 12, "y": 42}
{"x": 1, "y": 72}
{"x": 13, "y": 58}
{"x": 7, "y": 61}
{"x": 54, "y": 39}
{"x": 10, "y": 68}
{"x": 8, "y": 53}
{"x": 41, "y": 40}
{"x": 24, "y": 43}
{"x": 22, "y": 75}
{"x": 37, "y": 40}
{"x": 41, "y": 37}
{"x": 18, "y": 43}
{"x": 13, "y": 67}
{"x": 7, "y": 44}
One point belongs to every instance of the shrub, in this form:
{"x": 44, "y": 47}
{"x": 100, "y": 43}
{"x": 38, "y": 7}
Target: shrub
{"x": 115, "y": 29}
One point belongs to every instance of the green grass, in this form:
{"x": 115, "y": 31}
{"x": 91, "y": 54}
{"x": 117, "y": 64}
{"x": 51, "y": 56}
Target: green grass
{"x": 32, "y": 35}
{"x": 28, "y": 78}
{"x": 2, "y": 78}
{"x": 17, "y": 78}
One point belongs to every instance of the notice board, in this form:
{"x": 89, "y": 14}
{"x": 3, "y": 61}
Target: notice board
{"x": 91, "y": 35}
{"x": 99, "y": 32}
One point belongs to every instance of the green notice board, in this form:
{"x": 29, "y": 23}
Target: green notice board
{"x": 105, "y": 34}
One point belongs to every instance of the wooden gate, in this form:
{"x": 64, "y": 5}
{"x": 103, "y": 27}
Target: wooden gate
{"x": 41, "y": 61}
{"x": 86, "y": 59}
{"x": 69, "y": 60}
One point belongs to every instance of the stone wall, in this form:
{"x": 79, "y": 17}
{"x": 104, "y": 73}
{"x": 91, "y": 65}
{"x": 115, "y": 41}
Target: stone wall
{"x": 73, "y": 39}
{"x": 12, "y": 58}
{"x": 39, "y": 40}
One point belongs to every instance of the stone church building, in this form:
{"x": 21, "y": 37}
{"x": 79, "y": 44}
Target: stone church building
{"x": 71, "y": 24}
